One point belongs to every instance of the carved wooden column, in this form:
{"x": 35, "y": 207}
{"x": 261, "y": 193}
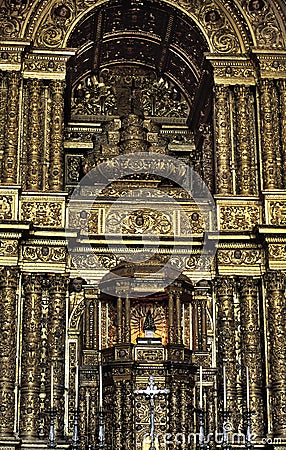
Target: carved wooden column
{"x": 223, "y": 140}
{"x": 276, "y": 303}
{"x": 128, "y": 416}
{"x": 12, "y": 130}
{"x": 200, "y": 297}
{"x": 34, "y": 171}
{"x": 226, "y": 339}
{"x": 119, "y": 320}
{"x": 171, "y": 318}
{"x": 8, "y": 301}
{"x": 56, "y": 337}
{"x": 251, "y": 350}
{"x": 245, "y": 141}
{"x": 179, "y": 317}
{"x": 127, "y": 320}
{"x": 282, "y": 92}
{"x": 118, "y": 410}
{"x": 31, "y": 356}
{"x": 207, "y": 155}
{"x": 56, "y": 172}
{"x": 269, "y": 129}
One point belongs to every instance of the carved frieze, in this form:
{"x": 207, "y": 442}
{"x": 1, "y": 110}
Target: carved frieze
{"x": 44, "y": 211}
{"x": 272, "y": 65}
{"x": 239, "y": 216}
{"x": 235, "y": 70}
{"x": 44, "y": 253}
{"x": 48, "y": 66}
{"x": 239, "y": 256}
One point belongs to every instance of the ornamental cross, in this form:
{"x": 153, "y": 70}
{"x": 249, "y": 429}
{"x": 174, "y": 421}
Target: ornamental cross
{"x": 150, "y": 392}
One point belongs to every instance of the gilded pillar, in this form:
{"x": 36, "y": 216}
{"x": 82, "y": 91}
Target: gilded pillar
{"x": 34, "y": 174}
{"x": 12, "y": 130}
{"x": 269, "y": 129}
{"x": 118, "y": 411}
{"x": 128, "y": 416}
{"x": 245, "y": 141}
{"x": 282, "y": 94}
{"x": 8, "y": 301}
{"x": 56, "y": 174}
{"x": 275, "y": 285}
{"x": 226, "y": 340}
{"x": 223, "y": 140}
{"x": 201, "y": 296}
{"x": 31, "y": 356}
{"x": 56, "y": 337}
{"x": 119, "y": 320}
{"x": 179, "y": 318}
{"x": 207, "y": 155}
{"x": 171, "y": 318}
{"x": 127, "y": 320}
{"x": 252, "y": 350}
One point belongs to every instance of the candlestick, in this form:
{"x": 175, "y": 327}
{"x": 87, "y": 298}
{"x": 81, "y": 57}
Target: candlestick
{"x": 52, "y": 386}
{"x": 99, "y": 325}
{"x": 247, "y": 388}
{"x": 201, "y": 387}
{"x": 100, "y": 387}
{"x": 224, "y": 389}
{"x": 76, "y": 387}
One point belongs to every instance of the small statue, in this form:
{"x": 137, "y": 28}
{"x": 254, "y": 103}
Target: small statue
{"x": 149, "y": 325}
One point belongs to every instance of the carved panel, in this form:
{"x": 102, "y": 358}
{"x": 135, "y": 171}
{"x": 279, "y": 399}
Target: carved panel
{"x": 44, "y": 253}
{"x": 239, "y": 216}
{"x": 8, "y": 205}
{"x": 145, "y": 221}
{"x": 43, "y": 211}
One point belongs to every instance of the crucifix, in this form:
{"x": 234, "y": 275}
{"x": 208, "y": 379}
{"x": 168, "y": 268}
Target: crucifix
{"x": 150, "y": 392}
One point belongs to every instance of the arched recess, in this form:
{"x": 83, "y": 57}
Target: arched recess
{"x": 226, "y": 31}
{"x": 143, "y": 58}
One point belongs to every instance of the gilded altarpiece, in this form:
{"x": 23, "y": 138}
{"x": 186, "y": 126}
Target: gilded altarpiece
{"x": 81, "y": 84}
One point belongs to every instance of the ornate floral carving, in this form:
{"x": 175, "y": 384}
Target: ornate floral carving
{"x": 44, "y": 253}
{"x": 8, "y": 247}
{"x": 86, "y": 222}
{"x": 239, "y": 257}
{"x": 44, "y": 213}
{"x": 143, "y": 221}
{"x": 239, "y": 217}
